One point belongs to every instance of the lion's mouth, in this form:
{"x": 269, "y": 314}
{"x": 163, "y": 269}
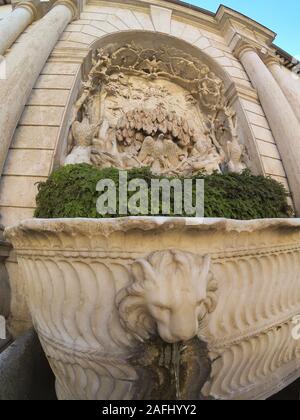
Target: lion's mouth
{"x": 176, "y": 336}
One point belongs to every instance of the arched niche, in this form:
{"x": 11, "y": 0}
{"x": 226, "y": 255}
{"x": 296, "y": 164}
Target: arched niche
{"x": 115, "y": 110}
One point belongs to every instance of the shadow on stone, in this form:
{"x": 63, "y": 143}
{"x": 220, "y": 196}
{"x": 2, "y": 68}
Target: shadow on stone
{"x": 24, "y": 371}
{"x": 290, "y": 393}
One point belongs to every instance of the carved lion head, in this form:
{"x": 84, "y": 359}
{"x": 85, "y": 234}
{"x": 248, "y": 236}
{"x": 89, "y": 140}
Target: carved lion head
{"x": 169, "y": 294}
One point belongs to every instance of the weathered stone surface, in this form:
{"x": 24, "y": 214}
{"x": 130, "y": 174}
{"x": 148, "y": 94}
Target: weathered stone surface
{"x": 58, "y": 83}
{"x": 10, "y": 214}
{"x": 4, "y": 282}
{"x": 281, "y": 117}
{"x": 19, "y": 191}
{"x": 23, "y": 66}
{"x": 49, "y": 81}
{"x": 42, "y": 115}
{"x": 35, "y": 137}
{"x": 289, "y": 83}
{"x": 268, "y": 149}
{"x": 111, "y": 283}
{"x": 24, "y": 371}
{"x": 49, "y": 97}
{"x": 258, "y": 120}
{"x": 13, "y": 24}
{"x": 263, "y": 134}
{"x": 273, "y": 166}
{"x": 28, "y": 162}
{"x": 19, "y": 316}
{"x": 161, "y": 18}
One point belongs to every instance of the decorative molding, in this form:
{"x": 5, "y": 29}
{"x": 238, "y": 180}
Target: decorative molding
{"x": 240, "y": 44}
{"x": 70, "y": 4}
{"x": 270, "y": 59}
{"x": 225, "y": 15}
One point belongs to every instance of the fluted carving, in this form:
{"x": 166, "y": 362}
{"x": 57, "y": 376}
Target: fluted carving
{"x": 90, "y": 285}
{"x": 253, "y": 367}
{"x": 250, "y": 331}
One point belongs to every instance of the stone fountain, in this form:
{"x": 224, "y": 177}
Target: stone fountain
{"x": 171, "y": 308}
{"x": 150, "y": 308}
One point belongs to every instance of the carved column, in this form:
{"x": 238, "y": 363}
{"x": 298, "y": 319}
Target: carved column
{"x": 23, "y": 66}
{"x": 288, "y": 82}
{"x": 282, "y": 119}
{"x": 14, "y": 24}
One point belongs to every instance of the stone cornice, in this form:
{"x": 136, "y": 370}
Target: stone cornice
{"x": 179, "y": 9}
{"x": 239, "y": 44}
{"x": 199, "y": 14}
{"x": 69, "y": 55}
{"x": 216, "y": 22}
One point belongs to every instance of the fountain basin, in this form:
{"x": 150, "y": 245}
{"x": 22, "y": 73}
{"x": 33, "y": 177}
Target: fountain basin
{"x": 109, "y": 298}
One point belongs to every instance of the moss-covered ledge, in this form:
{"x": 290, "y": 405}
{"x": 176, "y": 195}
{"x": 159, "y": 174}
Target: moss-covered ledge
{"x": 71, "y": 192}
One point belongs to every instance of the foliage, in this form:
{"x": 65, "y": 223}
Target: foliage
{"x": 71, "y": 192}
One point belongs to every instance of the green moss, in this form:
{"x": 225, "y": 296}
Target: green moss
{"x": 71, "y": 192}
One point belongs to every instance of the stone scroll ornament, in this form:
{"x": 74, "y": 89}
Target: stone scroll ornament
{"x": 158, "y": 108}
{"x": 171, "y": 292}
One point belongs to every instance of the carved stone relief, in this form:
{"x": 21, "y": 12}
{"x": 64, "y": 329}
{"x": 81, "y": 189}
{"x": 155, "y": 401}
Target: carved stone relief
{"x": 158, "y": 108}
{"x": 165, "y": 285}
{"x": 123, "y": 298}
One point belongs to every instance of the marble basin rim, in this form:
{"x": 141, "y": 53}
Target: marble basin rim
{"x": 149, "y": 222}
{"x": 97, "y": 289}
